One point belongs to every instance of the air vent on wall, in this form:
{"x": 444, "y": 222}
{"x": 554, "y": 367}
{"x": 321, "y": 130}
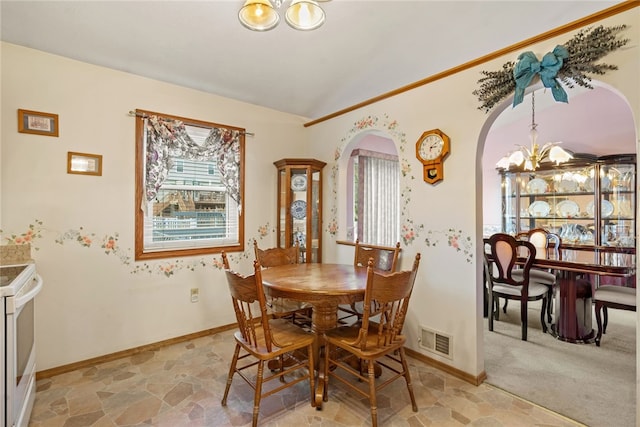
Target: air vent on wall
{"x": 436, "y": 342}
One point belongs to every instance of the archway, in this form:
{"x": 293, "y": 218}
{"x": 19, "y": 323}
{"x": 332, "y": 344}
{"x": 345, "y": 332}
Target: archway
{"x": 598, "y": 122}
{"x": 368, "y": 144}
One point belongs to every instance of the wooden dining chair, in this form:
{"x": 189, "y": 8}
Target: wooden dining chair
{"x": 385, "y": 258}
{"x": 378, "y": 338}
{"x": 262, "y": 339}
{"x": 500, "y": 262}
{"x": 298, "y": 312}
{"x": 611, "y": 296}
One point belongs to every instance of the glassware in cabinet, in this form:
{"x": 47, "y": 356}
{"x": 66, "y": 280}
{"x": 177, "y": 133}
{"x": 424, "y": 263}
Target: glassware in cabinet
{"x": 617, "y": 211}
{"x": 588, "y": 202}
{"x": 510, "y": 203}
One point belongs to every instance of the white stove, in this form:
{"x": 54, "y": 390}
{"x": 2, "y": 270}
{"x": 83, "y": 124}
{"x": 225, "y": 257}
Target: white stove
{"x": 12, "y": 277}
{"x": 19, "y": 284}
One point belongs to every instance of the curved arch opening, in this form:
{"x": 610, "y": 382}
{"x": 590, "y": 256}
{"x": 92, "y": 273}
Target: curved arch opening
{"x": 596, "y": 121}
{"x": 369, "y": 182}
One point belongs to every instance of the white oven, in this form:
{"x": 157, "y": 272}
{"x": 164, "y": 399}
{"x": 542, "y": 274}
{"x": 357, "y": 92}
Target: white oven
{"x": 19, "y": 284}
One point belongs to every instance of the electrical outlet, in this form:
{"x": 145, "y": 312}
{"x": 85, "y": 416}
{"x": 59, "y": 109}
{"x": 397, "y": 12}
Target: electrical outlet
{"x": 195, "y": 294}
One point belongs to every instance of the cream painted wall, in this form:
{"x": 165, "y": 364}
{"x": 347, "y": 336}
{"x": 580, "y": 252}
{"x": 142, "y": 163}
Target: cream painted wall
{"x": 94, "y": 303}
{"x": 447, "y": 297}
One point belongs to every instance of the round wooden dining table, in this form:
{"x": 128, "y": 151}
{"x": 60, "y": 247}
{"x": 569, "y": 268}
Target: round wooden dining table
{"x": 324, "y": 286}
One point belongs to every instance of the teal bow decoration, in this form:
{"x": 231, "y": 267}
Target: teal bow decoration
{"x": 528, "y": 66}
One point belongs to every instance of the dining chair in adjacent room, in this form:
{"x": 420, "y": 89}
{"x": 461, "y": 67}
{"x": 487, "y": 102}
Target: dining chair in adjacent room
{"x": 261, "y": 338}
{"x": 298, "y": 312}
{"x": 377, "y": 338}
{"x": 611, "y": 296}
{"x": 385, "y": 258}
{"x": 500, "y": 262}
{"x": 547, "y": 246}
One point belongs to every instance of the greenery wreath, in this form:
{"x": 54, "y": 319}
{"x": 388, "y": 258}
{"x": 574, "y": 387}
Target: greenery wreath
{"x": 571, "y": 64}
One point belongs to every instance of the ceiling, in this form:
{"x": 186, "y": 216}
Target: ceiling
{"x": 364, "y": 49}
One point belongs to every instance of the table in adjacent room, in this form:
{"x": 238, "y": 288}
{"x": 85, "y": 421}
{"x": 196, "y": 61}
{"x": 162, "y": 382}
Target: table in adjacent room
{"x": 576, "y": 267}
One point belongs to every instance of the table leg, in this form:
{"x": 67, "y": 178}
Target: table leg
{"x": 325, "y": 317}
{"x": 567, "y": 326}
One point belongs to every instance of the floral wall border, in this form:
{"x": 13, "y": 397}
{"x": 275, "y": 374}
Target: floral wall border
{"x": 455, "y": 239}
{"x": 109, "y": 244}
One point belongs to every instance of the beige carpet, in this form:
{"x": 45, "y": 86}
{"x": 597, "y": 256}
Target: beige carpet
{"x": 592, "y": 385}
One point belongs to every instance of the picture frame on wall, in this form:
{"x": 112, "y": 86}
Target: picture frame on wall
{"x": 84, "y": 163}
{"x": 38, "y": 123}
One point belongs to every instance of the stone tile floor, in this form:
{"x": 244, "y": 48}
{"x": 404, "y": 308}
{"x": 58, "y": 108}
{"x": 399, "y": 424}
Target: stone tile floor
{"x": 182, "y": 385}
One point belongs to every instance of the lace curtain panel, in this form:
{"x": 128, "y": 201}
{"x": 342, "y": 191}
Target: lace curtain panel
{"x": 168, "y": 139}
{"x": 379, "y": 212}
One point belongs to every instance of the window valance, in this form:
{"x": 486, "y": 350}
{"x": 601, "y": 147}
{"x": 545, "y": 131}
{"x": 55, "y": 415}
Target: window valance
{"x": 168, "y": 139}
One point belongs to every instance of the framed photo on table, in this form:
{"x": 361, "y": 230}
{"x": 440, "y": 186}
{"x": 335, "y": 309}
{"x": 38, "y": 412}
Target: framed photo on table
{"x": 37, "y": 123}
{"x": 84, "y": 164}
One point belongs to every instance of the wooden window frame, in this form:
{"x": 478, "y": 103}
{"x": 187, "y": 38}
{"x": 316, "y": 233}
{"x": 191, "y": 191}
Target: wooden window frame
{"x": 140, "y": 252}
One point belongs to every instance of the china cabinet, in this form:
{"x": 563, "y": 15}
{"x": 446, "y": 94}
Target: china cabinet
{"x": 589, "y": 201}
{"x": 300, "y": 206}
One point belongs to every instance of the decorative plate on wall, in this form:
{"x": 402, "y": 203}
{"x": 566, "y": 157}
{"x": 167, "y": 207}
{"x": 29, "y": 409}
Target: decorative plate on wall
{"x": 299, "y": 209}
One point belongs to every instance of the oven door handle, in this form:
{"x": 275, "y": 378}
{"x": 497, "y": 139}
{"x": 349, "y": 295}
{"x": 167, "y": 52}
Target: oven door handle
{"x": 20, "y": 300}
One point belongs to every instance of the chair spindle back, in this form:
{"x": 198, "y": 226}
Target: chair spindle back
{"x": 273, "y": 257}
{"x": 249, "y": 305}
{"x": 387, "y": 298}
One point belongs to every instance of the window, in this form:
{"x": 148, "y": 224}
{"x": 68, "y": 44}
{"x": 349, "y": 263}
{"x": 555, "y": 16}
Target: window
{"x": 189, "y": 187}
{"x": 376, "y": 207}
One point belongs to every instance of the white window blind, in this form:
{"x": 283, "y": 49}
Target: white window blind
{"x": 377, "y": 198}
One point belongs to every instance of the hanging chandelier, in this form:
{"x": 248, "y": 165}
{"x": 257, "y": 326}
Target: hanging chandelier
{"x": 533, "y": 156}
{"x": 261, "y": 15}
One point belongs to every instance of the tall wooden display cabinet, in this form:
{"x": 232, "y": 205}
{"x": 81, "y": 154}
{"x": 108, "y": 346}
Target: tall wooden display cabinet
{"x": 300, "y": 206}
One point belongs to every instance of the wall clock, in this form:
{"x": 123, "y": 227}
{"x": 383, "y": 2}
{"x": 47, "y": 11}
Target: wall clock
{"x": 431, "y": 149}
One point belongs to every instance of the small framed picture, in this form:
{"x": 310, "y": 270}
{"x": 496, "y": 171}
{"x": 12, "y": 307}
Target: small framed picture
{"x": 84, "y": 164}
{"x": 37, "y": 122}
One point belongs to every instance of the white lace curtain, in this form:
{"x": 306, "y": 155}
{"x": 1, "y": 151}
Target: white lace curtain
{"x": 379, "y": 208}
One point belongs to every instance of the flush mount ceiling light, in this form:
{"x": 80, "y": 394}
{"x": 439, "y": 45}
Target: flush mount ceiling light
{"x": 261, "y": 15}
{"x": 532, "y": 157}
